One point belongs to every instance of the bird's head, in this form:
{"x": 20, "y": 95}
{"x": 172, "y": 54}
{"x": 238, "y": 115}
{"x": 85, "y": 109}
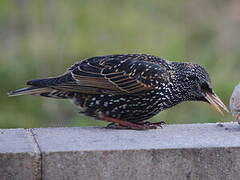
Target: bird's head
{"x": 199, "y": 88}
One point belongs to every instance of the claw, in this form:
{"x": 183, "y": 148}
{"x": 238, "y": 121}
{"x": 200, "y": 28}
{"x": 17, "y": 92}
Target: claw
{"x": 115, "y": 126}
{"x": 155, "y": 124}
{"x": 121, "y": 124}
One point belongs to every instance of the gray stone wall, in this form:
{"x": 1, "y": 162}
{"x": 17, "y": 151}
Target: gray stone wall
{"x": 196, "y": 151}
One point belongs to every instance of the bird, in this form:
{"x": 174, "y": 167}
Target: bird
{"x": 127, "y": 89}
{"x": 234, "y": 103}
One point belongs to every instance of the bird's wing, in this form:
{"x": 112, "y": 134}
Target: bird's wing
{"x": 116, "y": 74}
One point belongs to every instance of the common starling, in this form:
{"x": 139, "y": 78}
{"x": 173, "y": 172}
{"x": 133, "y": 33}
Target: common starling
{"x": 234, "y": 103}
{"x": 127, "y": 89}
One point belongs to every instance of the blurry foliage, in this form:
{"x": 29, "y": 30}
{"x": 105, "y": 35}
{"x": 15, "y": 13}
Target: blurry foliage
{"x": 42, "y": 38}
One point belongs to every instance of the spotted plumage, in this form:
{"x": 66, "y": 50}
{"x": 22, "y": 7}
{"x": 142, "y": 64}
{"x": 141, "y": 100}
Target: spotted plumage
{"x": 127, "y": 89}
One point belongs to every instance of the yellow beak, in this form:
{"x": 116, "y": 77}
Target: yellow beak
{"x": 216, "y": 102}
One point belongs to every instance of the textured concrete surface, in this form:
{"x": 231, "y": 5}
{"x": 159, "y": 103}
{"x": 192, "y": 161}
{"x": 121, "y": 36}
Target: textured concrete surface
{"x": 19, "y": 155}
{"x": 198, "y": 151}
{"x": 171, "y": 136}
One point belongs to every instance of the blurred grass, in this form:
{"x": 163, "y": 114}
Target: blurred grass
{"x": 42, "y": 38}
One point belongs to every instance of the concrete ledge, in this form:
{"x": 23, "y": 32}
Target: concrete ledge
{"x": 197, "y": 151}
{"x": 19, "y": 155}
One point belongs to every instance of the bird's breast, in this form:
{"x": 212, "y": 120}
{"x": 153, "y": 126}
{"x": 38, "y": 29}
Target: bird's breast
{"x": 129, "y": 107}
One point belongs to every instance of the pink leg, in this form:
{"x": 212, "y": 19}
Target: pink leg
{"x": 130, "y": 125}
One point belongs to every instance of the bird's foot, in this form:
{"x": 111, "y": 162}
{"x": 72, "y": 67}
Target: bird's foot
{"x": 116, "y": 126}
{"x": 121, "y": 124}
{"x": 144, "y": 126}
{"x": 154, "y": 125}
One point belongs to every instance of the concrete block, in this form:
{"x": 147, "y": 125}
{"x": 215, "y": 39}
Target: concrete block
{"x": 197, "y": 151}
{"x": 19, "y": 155}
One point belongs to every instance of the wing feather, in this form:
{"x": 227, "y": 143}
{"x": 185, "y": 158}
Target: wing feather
{"x": 116, "y": 74}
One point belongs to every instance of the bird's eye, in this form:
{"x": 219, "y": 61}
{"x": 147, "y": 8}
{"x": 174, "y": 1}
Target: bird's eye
{"x": 205, "y": 87}
{"x": 193, "y": 78}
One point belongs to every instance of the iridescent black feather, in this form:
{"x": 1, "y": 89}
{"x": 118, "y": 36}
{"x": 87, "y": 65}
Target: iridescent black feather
{"x": 131, "y": 87}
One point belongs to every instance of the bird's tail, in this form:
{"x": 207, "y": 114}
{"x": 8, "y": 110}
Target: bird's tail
{"x": 30, "y": 91}
{"x": 49, "y": 87}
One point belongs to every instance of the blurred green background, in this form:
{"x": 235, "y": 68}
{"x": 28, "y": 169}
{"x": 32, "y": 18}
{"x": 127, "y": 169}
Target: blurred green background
{"x": 43, "y": 38}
